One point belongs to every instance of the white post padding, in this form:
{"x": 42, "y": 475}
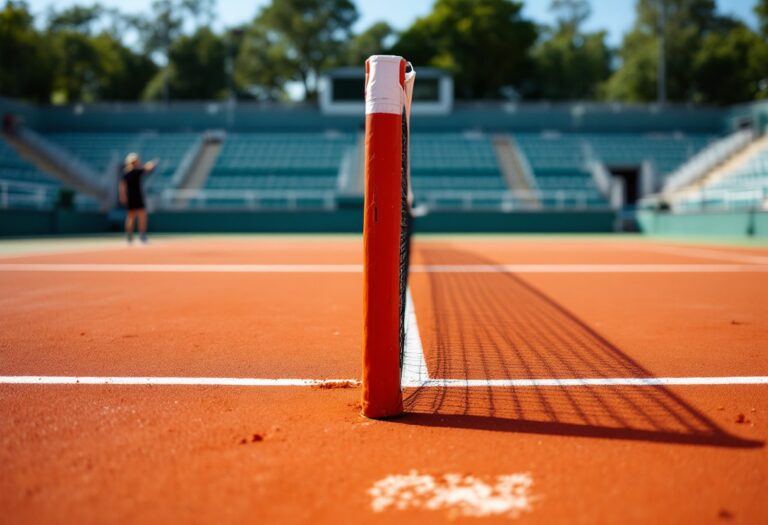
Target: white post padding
{"x": 383, "y": 92}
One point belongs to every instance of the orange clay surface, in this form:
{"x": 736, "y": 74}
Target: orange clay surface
{"x": 224, "y": 454}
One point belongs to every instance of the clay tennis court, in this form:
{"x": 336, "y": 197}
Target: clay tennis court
{"x": 214, "y": 379}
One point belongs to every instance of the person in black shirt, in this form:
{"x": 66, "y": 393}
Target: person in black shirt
{"x": 132, "y": 195}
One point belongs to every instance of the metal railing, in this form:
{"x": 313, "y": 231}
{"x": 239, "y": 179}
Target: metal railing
{"x": 726, "y": 199}
{"x": 253, "y": 200}
{"x": 708, "y": 159}
{"x": 15, "y": 194}
{"x": 509, "y": 200}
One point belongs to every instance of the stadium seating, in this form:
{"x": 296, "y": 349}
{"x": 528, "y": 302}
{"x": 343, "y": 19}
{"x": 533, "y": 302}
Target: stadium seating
{"x": 449, "y": 168}
{"x": 101, "y": 149}
{"x": 22, "y": 184}
{"x": 745, "y": 187}
{"x": 280, "y": 169}
{"x": 559, "y": 161}
{"x": 665, "y": 152}
{"x": 15, "y": 168}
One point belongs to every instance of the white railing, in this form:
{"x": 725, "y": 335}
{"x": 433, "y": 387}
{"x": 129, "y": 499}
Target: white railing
{"x": 724, "y": 199}
{"x": 708, "y": 159}
{"x": 509, "y": 200}
{"x": 185, "y": 199}
{"x": 15, "y": 194}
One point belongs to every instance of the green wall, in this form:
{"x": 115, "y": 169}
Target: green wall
{"x": 742, "y": 223}
{"x": 23, "y": 222}
{"x": 48, "y": 222}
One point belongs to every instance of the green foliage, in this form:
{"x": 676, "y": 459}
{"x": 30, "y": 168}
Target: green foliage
{"x": 761, "y": 10}
{"x": 727, "y": 67}
{"x": 123, "y": 73}
{"x": 81, "y": 19}
{"x": 372, "y": 41}
{"x": 197, "y": 69}
{"x": 484, "y": 43}
{"x": 82, "y": 54}
{"x": 708, "y": 57}
{"x": 262, "y": 68}
{"x": 25, "y": 63}
{"x": 309, "y": 36}
{"x": 90, "y": 66}
{"x": 570, "y": 64}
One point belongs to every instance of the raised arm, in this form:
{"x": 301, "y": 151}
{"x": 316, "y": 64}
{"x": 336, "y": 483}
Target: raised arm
{"x": 149, "y": 166}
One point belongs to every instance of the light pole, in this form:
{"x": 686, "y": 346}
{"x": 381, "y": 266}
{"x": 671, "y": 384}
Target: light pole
{"x": 661, "y": 88}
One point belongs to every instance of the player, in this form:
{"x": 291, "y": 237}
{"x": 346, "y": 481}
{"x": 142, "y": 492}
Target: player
{"x": 132, "y": 194}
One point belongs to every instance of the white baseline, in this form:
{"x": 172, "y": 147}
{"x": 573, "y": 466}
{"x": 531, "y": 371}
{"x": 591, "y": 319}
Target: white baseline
{"x": 358, "y": 268}
{"x": 439, "y": 383}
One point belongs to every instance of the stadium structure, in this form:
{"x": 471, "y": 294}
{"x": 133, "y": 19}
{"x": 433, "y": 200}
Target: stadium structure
{"x": 484, "y": 166}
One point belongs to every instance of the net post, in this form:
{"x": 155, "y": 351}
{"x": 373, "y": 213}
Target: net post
{"x": 385, "y": 102}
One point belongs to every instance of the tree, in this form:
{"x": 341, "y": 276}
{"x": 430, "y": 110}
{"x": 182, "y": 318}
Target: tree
{"x": 761, "y": 10}
{"x": 196, "y": 68}
{"x": 687, "y": 23}
{"x": 166, "y": 26}
{"x": 307, "y": 35}
{"x": 570, "y": 14}
{"x": 724, "y": 69}
{"x": 123, "y": 73}
{"x": 25, "y": 63}
{"x": 484, "y": 43}
{"x": 372, "y": 41}
{"x": 262, "y": 67}
{"x": 570, "y": 64}
{"x": 80, "y": 19}
{"x": 78, "y": 66}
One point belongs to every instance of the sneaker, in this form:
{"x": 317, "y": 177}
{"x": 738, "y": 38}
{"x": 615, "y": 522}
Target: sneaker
{"x": 143, "y": 238}
{"x": 129, "y": 239}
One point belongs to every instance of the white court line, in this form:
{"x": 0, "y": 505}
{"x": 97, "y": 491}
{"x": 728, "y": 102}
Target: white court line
{"x": 95, "y": 246}
{"x": 590, "y": 268}
{"x": 358, "y": 268}
{"x": 703, "y": 253}
{"x": 600, "y": 381}
{"x": 415, "y": 372}
{"x": 191, "y": 381}
{"x": 185, "y": 268}
{"x": 254, "y": 382}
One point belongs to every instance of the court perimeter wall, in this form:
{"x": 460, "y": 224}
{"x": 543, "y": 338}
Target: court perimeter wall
{"x": 741, "y": 224}
{"x": 27, "y": 222}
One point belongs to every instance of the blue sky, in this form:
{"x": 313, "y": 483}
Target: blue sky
{"x": 614, "y": 15}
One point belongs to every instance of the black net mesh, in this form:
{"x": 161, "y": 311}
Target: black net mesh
{"x": 405, "y": 236}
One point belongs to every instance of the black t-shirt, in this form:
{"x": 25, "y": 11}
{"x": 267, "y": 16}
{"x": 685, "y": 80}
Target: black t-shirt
{"x": 132, "y": 181}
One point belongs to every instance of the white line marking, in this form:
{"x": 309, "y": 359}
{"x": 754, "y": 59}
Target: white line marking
{"x": 193, "y": 268}
{"x": 96, "y": 246}
{"x": 704, "y": 253}
{"x": 255, "y": 382}
{"x": 357, "y": 268}
{"x": 589, "y": 268}
{"x": 193, "y": 381}
{"x": 415, "y": 371}
{"x": 600, "y": 381}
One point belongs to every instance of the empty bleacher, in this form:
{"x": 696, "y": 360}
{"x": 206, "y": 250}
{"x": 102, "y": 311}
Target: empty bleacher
{"x": 744, "y": 187}
{"x": 278, "y": 169}
{"x": 22, "y": 184}
{"x": 558, "y": 162}
{"x": 666, "y": 152}
{"x": 455, "y": 170}
{"x": 101, "y": 150}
